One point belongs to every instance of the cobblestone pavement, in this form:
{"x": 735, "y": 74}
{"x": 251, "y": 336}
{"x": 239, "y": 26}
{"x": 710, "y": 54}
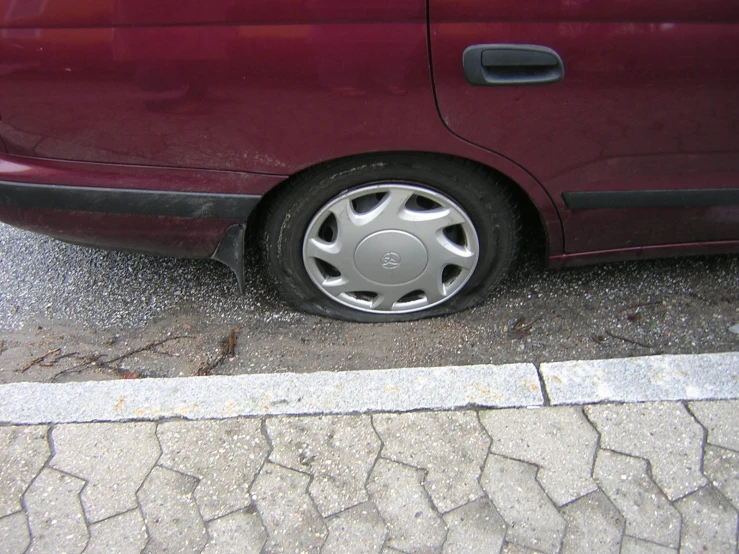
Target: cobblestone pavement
{"x": 647, "y": 478}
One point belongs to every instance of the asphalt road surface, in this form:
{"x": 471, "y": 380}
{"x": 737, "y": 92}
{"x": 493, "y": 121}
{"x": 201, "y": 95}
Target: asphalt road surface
{"x": 71, "y": 313}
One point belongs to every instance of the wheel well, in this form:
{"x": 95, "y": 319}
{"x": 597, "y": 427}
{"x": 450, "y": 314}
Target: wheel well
{"x": 534, "y": 231}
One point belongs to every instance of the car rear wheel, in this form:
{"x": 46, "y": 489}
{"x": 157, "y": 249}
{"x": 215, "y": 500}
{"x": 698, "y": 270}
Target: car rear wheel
{"x": 395, "y": 238}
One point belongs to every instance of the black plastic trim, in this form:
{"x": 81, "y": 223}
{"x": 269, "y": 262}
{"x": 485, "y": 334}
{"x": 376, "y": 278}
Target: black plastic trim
{"x": 511, "y": 65}
{"x": 196, "y": 205}
{"x": 230, "y": 252}
{"x": 604, "y": 200}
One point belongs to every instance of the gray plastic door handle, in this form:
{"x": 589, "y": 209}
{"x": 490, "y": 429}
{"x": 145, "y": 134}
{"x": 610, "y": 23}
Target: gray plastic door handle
{"x": 512, "y": 64}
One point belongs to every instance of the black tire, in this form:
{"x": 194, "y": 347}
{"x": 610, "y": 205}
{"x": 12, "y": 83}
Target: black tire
{"x": 479, "y": 192}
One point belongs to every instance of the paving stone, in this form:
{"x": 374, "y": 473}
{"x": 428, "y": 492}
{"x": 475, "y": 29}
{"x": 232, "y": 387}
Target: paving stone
{"x": 511, "y": 548}
{"x": 288, "y": 513}
{"x": 172, "y": 518}
{"x": 559, "y": 440}
{"x": 338, "y": 451}
{"x": 649, "y": 515}
{"x": 450, "y": 446}
{"x": 532, "y": 519}
{"x": 721, "y": 466}
{"x": 663, "y": 433}
{"x": 593, "y": 525}
{"x": 14, "y": 537}
{"x": 55, "y": 515}
{"x": 631, "y": 545}
{"x": 122, "y": 534}
{"x": 413, "y": 524}
{"x": 23, "y": 452}
{"x": 237, "y": 533}
{"x": 114, "y": 459}
{"x": 358, "y": 530}
{"x": 709, "y": 522}
{"x": 475, "y": 528}
{"x": 224, "y": 455}
{"x": 720, "y": 420}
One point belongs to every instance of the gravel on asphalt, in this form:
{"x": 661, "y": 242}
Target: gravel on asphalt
{"x": 78, "y": 309}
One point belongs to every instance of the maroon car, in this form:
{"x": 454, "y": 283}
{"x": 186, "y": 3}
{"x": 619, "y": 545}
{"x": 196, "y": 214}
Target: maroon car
{"x": 387, "y": 154}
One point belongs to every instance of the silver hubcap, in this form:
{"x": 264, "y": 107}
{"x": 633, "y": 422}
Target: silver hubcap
{"x": 390, "y": 248}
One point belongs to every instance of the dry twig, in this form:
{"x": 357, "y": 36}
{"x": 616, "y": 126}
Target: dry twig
{"x": 631, "y": 341}
{"x": 228, "y": 350}
{"x": 150, "y": 347}
{"x": 40, "y": 359}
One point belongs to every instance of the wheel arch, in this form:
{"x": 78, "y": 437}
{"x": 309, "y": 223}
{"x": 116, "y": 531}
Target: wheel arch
{"x": 535, "y": 208}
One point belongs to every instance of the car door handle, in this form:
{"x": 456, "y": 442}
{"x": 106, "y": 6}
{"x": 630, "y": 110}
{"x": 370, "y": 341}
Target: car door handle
{"x": 512, "y": 64}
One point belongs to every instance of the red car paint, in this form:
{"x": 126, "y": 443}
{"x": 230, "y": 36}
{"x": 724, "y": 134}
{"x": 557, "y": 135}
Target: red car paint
{"x": 232, "y": 96}
{"x": 648, "y": 104}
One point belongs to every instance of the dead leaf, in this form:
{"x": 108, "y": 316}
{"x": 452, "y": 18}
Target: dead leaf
{"x": 231, "y": 347}
{"x": 521, "y": 328}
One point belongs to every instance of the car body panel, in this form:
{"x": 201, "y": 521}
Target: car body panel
{"x": 171, "y": 85}
{"x": 116, "y": 13}
{"x": 648, "y": 102}
{"x": 235, "y": 97}
{"x": 157, "y": 234}
{"x": 274, "y": 96}
{"x": 644, "y": 253}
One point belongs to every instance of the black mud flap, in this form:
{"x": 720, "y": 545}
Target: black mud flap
{"x": 230, "y": 252}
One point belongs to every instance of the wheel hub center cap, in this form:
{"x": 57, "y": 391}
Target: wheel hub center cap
{"x": 391, "y": 257}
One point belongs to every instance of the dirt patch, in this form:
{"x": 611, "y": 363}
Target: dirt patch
{"x": 619, "y": 310}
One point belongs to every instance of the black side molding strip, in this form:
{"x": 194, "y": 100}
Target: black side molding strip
{"x": 601, "y": 200}
{"x": 198, "y": 205}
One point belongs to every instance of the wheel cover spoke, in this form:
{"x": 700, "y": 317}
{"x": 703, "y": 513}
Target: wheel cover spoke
{"x": 390, "y": 248}
{"x": 389, "y": 209}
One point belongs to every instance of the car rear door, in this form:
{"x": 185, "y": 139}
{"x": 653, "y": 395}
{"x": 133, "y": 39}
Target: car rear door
{"x": 245, "y": 85}
{"x": 638, "y": 144}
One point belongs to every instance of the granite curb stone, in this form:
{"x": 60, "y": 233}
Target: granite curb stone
{"x": 643, "y": 379}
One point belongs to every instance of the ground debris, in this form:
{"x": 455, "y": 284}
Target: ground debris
{"x": 230, "y": 346}
{"x": 630, "y": 341}
{"x": 41, "y": 359}
{"x": 227, "y": 350}
{"x": 521, "y": 328}
{"x": 639, "y": 306}
{"x": 96, "y": 360}
{"x": 149, "y": 347}
{"x": 55, "y": 360}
